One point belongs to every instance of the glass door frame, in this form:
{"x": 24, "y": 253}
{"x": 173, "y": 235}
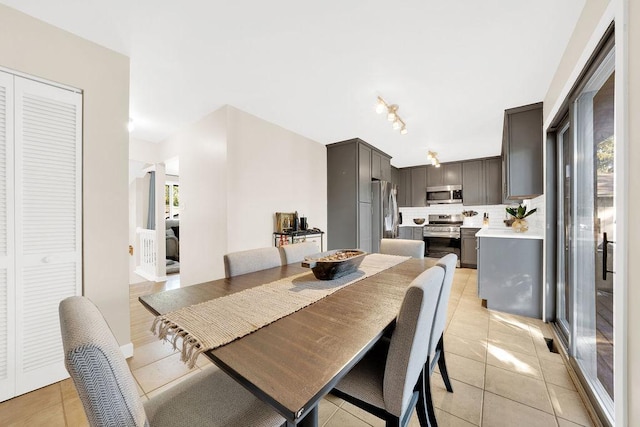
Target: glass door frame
{"x": 566, "y": 115}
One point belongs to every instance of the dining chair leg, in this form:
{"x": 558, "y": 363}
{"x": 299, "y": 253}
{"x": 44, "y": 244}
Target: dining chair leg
{"x": 442, "y": 364}
{"x": 421, "y": 408}
{"x": 428, "y": 401}
{"x": 392, "y": 423}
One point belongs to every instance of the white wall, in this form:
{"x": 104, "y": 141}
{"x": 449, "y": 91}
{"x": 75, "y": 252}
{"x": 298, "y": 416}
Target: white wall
{"x": 203, "y": 197}
{"x": 271, "y": 169}
{"x": 236, "y": 171}
{"x": 34, "y": 47}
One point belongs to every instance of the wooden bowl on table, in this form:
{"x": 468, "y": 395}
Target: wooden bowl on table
{"x": 333, "y": 264}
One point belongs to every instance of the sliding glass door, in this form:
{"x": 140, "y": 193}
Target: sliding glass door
{"x": 586, "y": 229}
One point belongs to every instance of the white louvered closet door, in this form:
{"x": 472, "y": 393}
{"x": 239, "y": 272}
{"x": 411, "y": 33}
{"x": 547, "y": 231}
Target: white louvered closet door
{"x": 48, "y": 164}
{"x": 7, "y": 257}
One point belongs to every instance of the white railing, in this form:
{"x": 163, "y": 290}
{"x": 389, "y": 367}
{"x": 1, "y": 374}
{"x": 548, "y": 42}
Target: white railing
{"x": 148, "y": 253}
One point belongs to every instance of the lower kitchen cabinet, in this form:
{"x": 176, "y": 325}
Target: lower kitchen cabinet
{"x": 405, "y": 233}
{"x": 410, "y": 233}
{"x": 469, "y": 247}
{"x": 510, "y": 274}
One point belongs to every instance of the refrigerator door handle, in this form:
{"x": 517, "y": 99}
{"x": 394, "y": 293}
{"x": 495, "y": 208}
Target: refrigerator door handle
{"x": 393, "y": 205}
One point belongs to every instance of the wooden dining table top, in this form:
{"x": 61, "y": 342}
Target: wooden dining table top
{"x": 295, "y": 361}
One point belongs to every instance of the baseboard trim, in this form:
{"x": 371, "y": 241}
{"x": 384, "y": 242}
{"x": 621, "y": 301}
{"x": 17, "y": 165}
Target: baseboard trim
{"x": 127, "y": 350}
{"x": 150, "y": 277}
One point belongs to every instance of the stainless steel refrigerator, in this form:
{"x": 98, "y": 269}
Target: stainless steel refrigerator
{"x": 385, "y": 218}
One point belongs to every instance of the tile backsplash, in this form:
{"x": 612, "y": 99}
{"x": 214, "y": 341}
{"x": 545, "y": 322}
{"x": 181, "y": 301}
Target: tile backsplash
{"x": 497, "y": 213}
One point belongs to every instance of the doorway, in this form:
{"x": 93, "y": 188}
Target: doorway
{"x": 585, "y": 167}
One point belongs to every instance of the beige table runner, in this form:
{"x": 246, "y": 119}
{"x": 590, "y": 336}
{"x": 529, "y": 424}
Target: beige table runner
{"x": 213, "y": 323}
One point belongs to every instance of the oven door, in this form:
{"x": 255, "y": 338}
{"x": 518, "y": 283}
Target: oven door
{"x": 437, "y": 247}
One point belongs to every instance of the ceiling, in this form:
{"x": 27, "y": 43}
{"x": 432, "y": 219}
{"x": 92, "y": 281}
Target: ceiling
{"x": 316, "y": 68}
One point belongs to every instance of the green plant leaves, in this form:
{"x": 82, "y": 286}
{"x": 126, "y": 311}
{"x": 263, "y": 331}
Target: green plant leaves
{"x": 520, "y": 212}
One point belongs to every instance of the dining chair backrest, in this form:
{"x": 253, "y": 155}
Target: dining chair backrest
{"x": 243, "y": 262}
{"x": 99, "y": 371}
{"x": 297, "y": 251}
{"x": 408, "y": 349}
{"x": 404, "y": 247}
{"x": 448, "y": 263}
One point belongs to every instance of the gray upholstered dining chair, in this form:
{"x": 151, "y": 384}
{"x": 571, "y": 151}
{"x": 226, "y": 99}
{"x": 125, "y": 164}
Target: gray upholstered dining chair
{"x": 404, "y": 247}
{"x": 243, "y": 262}
{"x": 297, "y": 251}
{"x": 108, "y": 390}
{"x": 388, "y": 381}
{"x": 436, "y": 338}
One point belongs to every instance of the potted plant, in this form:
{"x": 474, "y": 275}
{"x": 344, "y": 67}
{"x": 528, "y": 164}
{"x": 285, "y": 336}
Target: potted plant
{"x": 519, "y": 214}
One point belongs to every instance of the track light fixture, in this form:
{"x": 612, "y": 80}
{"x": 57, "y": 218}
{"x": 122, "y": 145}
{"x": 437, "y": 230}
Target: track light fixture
{"x": 433, "y": 157}
{"x": 392, "y": 115}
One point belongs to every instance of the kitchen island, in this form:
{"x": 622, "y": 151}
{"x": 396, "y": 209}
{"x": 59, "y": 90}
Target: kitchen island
{"x": 510, "y": 270}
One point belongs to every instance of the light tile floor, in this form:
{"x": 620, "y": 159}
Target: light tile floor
{"x": 501, "y": 370}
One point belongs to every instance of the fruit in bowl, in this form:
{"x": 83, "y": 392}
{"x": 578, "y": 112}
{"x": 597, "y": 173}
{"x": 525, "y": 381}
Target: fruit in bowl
{"x": 418, "y": 221}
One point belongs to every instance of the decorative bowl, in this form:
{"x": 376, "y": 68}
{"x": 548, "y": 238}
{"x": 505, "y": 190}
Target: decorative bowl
{"x": 418, "y": 221}
{"x": 333, "y": 264}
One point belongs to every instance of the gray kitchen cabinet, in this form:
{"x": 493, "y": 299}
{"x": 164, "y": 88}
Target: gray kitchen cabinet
{"x": 405, "y": 233}
{"x": 469, "y": 247}
{"x": 510, "y": 275}
{"x": 522, "y": 152}
{"x": 395, "y": 175}
{"x": 446, "y": 174}
{"x": 380, "y": 166}
{"x": 493, "y": 181}
{"x": 473, "y": 191}
{"x": 482, "y": 182}
{"x": 418, "y": 186}
{"x": 404, "y": 187}
{"x": 364, "y": 227}
{"x": 410, "y": 233}
{"x": 364, "y": 173}
{"x": 349, "y": 175}
{"x": 385, "y": 169}
{"x": 417, "y": 233}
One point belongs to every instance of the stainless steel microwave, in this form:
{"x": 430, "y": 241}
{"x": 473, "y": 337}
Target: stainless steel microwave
{"x": 445, "y": 194}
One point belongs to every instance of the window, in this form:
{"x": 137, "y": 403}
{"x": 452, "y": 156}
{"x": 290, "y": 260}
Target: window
{"x": 171, "y": 201}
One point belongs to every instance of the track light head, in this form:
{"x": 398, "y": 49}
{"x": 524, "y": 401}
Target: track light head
{"x": 392, "y": 115}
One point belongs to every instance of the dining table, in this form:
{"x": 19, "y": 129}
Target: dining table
{"x": 292, "y": 363}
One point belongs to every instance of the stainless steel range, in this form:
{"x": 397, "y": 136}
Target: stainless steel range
{"x": 442, "y": 235}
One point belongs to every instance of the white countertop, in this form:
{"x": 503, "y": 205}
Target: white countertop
{"x": 471, "y": 226}
{"x": 508, "y": 233}
{"x": 411, "y": 224}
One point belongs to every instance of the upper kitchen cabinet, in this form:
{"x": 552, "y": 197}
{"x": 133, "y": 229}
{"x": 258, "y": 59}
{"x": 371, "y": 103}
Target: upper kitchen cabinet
{"x": 380, "y": 166}
{"x": 364, "y": 173}
{"x": 404, "y": 187}
{"x": 418, "y": 177}
{"x": 522, "y": 152}
{"x": 395, "y": 175}
{"x": 482, "y": 182}
{"x": 446, "y": 174}
{"x": 349, "y": 175}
